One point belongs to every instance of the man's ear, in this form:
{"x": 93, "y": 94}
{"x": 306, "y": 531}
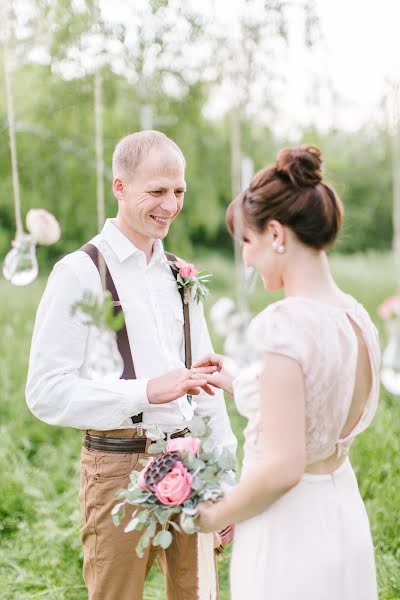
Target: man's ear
{"x": 118, "y": 188}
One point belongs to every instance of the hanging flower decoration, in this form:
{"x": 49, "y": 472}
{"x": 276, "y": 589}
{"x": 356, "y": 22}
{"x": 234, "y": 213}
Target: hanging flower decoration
{"x": 190, "y": 280}
{"x": 20, "y": 266}
{"x": 232, "y": 324}
{"x": 390, "y": 308}
{"x": 43, "y": 226}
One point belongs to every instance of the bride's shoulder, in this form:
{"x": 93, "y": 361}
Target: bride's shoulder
{"x": 290, "y": 308}
{"x": 285, "y": 327}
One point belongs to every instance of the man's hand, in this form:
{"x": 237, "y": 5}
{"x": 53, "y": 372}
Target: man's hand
{"x": 179, "y": 382}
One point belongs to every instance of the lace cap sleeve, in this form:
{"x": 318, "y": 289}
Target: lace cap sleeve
{"x": 284, "y": 330}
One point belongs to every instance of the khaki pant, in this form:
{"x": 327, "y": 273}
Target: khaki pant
{"x": 111, "y": 568}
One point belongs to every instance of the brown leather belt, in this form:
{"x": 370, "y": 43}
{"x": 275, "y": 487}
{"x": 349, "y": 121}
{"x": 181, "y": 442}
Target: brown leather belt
{"x": 125, "y": 445}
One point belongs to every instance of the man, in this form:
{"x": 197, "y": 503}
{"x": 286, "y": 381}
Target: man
{"x": 149, "y": 185}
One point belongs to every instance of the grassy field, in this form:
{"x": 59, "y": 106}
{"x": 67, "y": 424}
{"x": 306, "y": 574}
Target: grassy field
{"x": 40, "y": 555}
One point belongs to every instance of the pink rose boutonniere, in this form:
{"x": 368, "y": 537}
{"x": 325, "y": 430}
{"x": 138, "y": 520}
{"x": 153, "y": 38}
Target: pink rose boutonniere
{"x": 189, "y": 278}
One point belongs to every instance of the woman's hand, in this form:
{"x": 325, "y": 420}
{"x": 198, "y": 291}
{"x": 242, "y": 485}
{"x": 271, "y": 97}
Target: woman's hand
{"x": 211, "y": 360}
{"x": 207, "y": 517}
{"x": 220, "y": 378}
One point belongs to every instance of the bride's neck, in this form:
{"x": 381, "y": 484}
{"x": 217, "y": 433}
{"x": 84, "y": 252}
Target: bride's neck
{"x": 310, "y": 275}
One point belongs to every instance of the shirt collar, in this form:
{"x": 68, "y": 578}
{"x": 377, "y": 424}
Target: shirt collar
{"x": 123, "y": 248}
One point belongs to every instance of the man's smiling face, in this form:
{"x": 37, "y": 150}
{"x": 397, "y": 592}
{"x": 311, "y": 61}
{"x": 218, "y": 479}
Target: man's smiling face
{"x": 150, "y": 202}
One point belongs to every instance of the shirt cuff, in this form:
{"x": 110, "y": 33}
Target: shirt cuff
{"x": 134, "y": 392}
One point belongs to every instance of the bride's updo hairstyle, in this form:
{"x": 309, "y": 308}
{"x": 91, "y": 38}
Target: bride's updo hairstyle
{"x": 294, "y": 193}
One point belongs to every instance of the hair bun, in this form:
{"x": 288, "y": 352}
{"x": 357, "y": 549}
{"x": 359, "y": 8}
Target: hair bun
{"x": 301, "y": 165}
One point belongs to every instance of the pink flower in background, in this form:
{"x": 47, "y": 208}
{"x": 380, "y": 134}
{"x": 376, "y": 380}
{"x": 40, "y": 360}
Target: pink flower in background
{"x": 186, "y": 270}
{"x": 184, "y": 443}
{"x": 43, "y": 226}
{"x": 389, "y": 308}
{"x": 175, "y": 487}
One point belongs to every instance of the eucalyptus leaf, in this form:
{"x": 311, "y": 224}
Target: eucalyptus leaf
{"x": 158, "y": 447}
{"x": 163, "y": 539}
{"x": 133, "y": 523}
{"x": 117, "y": 508}
{"x": 143, "y": 516}
{"x": 151, "y": 529}
{"x": 175, "y": 526}
{"x": 188, "y": 524}
{"x": 189, "y": 511}
{"x": 197, "y": 426}
{"x": 154, "y": 433}
{"x": 226, "y": 461}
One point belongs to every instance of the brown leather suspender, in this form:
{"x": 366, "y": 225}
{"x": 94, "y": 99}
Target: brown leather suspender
{"x": 186, "y": 318}
{"x": 122, "y": 335}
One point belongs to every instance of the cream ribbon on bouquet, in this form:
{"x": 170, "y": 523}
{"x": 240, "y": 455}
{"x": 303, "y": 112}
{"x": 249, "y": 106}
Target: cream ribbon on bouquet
{"x": 206, "y": 568}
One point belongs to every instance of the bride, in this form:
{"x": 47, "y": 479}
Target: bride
{"x": 302, "y": 531}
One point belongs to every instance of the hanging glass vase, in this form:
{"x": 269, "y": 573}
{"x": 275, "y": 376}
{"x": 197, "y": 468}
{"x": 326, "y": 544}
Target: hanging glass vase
{"x": 105, "y": 362}
{"x": 20, "y": 266}
{"x": 390, "y": 372}
{"x": 232, "y": 324}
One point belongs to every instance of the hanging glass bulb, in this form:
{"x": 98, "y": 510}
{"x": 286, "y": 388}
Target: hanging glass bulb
{"x": 105, "y": 362}
{"x": 390, "y": 372}
{"x": 232, "y": 324}
{"x": 20, "y": 266}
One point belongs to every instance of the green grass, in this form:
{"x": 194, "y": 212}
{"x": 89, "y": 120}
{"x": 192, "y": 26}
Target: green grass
{"x": 40, "y": 554}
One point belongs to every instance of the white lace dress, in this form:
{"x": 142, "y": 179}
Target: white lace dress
{"x": 314, "y": 543}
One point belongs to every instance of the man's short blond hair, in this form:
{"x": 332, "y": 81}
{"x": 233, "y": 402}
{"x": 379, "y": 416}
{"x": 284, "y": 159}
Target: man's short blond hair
{"x": 133, "y": 148}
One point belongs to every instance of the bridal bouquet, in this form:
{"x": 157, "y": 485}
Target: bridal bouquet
{"x": 185, "y": 472}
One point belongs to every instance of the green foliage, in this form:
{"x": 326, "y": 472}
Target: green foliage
{"x": 55, "y": 131}
{"x": 100, "y": 313}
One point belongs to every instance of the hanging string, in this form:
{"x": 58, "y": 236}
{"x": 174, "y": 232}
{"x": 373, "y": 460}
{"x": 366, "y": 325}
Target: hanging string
{"x": 99, "y": 135}
{"x": 11, "y": 126}
{"x": 98, "y": 111}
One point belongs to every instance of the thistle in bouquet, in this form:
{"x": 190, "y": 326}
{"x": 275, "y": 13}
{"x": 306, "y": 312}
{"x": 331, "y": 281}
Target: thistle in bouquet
{"x": 184, "y": 472}
{"x": 190, "y": 280}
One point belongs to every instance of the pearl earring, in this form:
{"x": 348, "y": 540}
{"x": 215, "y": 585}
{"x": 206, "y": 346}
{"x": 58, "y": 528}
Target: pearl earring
{"x": 281, "y": 249}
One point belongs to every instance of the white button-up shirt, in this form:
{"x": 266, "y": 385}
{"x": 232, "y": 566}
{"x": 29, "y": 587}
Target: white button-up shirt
{"x": 59, "y": 391}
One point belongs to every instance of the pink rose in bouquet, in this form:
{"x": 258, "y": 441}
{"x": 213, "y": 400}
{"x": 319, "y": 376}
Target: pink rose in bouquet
{"x": 188, "y": 444}
{"x": 175, "y": 487}
{"x": 186, "y": 270}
